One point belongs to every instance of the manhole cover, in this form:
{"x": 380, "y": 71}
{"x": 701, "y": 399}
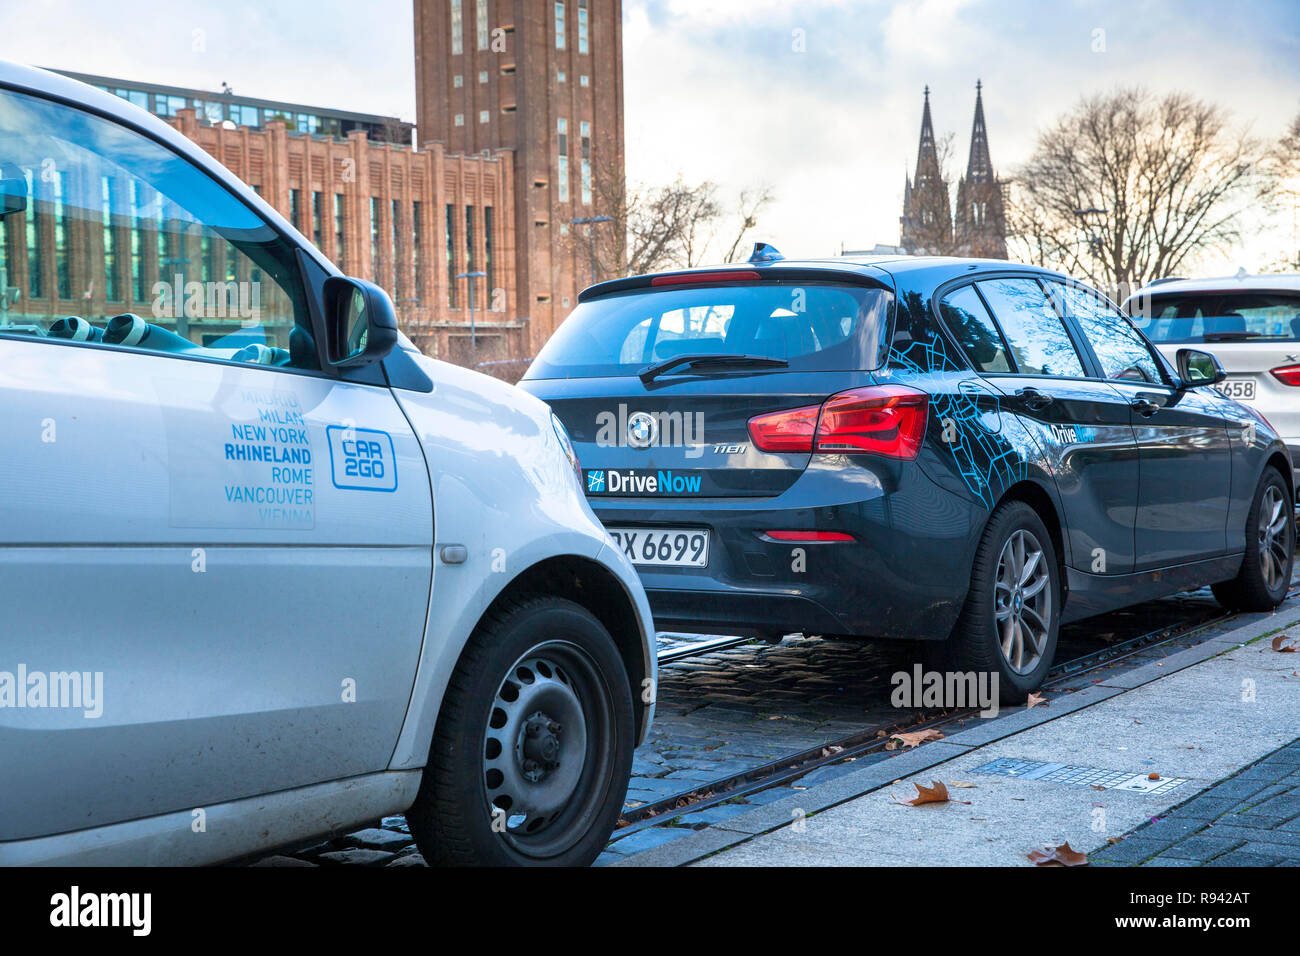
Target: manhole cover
{"x": 1077, "y": 776}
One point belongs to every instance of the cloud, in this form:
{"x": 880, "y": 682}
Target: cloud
{"x": 721, "y": 90}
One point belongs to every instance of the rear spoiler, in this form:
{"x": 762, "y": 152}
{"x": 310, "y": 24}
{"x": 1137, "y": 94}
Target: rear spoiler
{"x": 784, "y": 272}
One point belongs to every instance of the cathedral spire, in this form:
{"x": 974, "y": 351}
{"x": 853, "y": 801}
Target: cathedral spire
{"x": 927, "y": 153}
{"x": 926, "y": 223}
{"x": 980, "y": 225}
{"x": 979, "y": 168}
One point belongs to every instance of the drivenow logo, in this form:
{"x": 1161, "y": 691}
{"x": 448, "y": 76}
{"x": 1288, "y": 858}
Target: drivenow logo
{"x": 76, "y": 909}
{"x": 642, "y": 481}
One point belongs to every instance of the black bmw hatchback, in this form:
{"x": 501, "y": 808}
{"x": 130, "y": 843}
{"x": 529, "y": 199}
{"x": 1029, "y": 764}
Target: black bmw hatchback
{"x": 913, "y": 448}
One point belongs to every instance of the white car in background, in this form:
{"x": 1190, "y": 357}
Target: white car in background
{"x": 268, "y": 577}
{"x": 1250, "y": 323}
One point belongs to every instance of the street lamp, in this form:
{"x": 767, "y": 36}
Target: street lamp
{"x": 471, "y": 276}
{"x": 590, "y": 221}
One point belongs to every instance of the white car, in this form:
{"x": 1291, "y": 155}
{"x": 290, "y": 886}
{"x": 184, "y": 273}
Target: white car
{"x": 1250, "y": 323}
{"x": 268, "y": 573}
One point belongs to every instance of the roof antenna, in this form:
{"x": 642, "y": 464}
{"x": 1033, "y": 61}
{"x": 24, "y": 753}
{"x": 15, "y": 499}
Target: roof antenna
{"x": 765, "y": 252}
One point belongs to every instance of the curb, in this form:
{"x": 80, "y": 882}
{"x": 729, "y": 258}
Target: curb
{"x": 744, "y": 827}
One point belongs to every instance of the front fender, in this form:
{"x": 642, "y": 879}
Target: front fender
{"x": 504, "y": 491}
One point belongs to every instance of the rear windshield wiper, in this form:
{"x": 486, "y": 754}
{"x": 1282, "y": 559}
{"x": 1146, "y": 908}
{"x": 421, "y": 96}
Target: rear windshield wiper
{"x": 1232, "y": 336}
{"x": 709, "y": 360}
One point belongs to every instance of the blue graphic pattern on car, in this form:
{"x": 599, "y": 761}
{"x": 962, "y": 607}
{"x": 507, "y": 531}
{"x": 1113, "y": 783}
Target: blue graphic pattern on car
{"x": 982, "y": 459}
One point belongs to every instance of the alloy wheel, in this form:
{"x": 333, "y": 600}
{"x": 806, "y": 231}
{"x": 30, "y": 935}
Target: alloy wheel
{"x": 1274, "y": 537}
{"x": 1022, "y": 602}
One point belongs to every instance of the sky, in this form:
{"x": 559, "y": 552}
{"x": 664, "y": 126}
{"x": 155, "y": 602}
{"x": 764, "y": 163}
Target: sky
{"x": 818, "y": 99}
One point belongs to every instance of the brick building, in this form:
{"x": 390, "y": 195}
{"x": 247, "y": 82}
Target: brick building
{"x": 540, "y": 84}
{"x": 519, "y": 108}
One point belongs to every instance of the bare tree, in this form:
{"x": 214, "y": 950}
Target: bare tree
{"x": 1283, "y": 170}
{"x": 656, "y": 227}
{"x": 749, "y": 206}
{"x": 1129, "y": 187}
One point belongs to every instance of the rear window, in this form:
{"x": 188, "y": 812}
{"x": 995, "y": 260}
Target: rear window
{"x": 814, "y": 327}
{"x": 1218, "y": 317}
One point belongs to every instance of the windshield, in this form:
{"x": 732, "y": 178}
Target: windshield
{"x": 812, "y": 327}
{"x": 1219, "y": 316}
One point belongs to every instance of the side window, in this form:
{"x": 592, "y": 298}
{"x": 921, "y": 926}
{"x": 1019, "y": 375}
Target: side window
{"x": 1119, "y": 348}
{"x": 1039, "y": 342}
{"x": 114, "y": 239}
{"x": 964, "y": 313}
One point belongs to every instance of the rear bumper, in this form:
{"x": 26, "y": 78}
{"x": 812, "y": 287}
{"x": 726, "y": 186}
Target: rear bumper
{"x": 904, "y": 575}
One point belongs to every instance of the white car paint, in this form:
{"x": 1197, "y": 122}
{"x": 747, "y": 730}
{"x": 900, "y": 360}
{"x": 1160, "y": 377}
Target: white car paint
{"x": 1251, "y": 359}
{"x": 224, "y": 687}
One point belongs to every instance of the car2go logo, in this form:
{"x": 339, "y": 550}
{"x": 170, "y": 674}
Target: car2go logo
{"x": 362, "y": 459}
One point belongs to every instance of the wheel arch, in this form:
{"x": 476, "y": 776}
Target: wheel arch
{"x": 593, "y": 586}
{"x": 1280, "y": 460}
{"x": 1037, "y": 497}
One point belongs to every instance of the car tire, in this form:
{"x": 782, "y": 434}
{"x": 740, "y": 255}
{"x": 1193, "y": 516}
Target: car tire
{"x": 1265, "y": 574}
{"x": 532, "y": 751}
{"x": 997, "y": 634}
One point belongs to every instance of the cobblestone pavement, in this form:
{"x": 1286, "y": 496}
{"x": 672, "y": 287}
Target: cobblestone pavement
{"x": 732, "y": 710}
{"x": 1251, "y": 819}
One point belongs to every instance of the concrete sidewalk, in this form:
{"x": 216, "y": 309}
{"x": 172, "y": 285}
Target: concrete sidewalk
{"x": 1078, "y": 769}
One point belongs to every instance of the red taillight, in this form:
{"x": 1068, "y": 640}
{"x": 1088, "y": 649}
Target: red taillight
{"x": 687, "y": 278}
{"x": 882, "y": 419}
{"x": 789, "y": 431}
{"x": 1287, "y": 374}
{"x": 808, "y": 536}
{"x": 879, "y": 419}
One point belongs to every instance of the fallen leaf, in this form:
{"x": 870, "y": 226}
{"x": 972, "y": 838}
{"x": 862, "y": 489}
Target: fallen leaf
{"x": 1034, "y": 700}
{"x": 1113, "y": 840}
{"x": 962, "y": 784}
{"x": 1288, "y": 649}
{"x": 1063, "y": 855}
{"x": 935, "y": 793}
{"x": 1153, "y": 775}
{"x": 913, "y": 739}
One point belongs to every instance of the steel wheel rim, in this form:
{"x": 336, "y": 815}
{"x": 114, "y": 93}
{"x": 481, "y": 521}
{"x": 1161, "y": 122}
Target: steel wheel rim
{"x": 1022, "y": 602}
{"x": 1274, "y": 538}
{"x": 547, "y": 749}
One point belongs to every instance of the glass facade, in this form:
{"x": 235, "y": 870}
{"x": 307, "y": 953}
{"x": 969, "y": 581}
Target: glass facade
{"x": 489, "y": 265}
{"x": 481, "y": 23}
{"x": 585, "y": 130}
{"x": 451, "y": 255}
{"x": 562, "y": 186}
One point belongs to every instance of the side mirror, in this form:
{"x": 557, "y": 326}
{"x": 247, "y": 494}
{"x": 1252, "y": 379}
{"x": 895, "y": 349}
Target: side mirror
{"x": 13, "y": 190}
{"x": 1197, "y": 369}
{"x": 360, "y": 324}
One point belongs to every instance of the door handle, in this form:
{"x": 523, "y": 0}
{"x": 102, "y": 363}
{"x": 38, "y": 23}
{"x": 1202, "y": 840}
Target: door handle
{"x": 1144, "y": 407}
{"x": 1034, "y": 399}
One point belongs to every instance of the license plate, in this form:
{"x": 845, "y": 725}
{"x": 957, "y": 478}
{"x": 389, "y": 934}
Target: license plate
{"x": 663, "y": 547}
{"x": 1242, "y": 389}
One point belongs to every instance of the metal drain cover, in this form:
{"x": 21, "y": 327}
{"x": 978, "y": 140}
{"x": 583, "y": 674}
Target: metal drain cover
{"x": 1077, "y": 776}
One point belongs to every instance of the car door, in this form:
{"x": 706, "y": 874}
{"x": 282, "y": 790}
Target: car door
{"x": 1184, "y": 449}
{"x": 214, "y": 557}
{"x": 1081, "y": 424}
